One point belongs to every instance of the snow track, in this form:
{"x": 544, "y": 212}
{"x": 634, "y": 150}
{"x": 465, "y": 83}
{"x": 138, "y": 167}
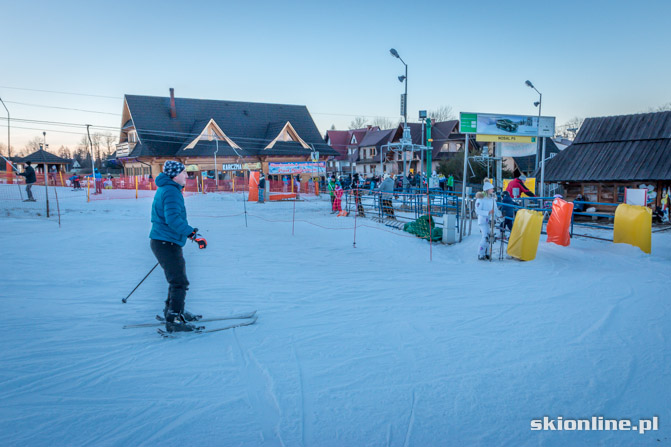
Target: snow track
{"x": 365, "y": 346}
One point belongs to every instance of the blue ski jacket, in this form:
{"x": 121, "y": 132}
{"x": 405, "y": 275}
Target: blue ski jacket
{"x": 168, "y": 213}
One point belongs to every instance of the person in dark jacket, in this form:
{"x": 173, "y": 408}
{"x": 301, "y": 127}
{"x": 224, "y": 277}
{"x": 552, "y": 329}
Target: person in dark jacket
{"x": 168, "y": 235}
{"x": 386, "y": 189}
{"x": 579, "y": 207}
{"x": 29, "y": 174}
{"x": 508, "y": 208}
{"x": 262, "y": 188}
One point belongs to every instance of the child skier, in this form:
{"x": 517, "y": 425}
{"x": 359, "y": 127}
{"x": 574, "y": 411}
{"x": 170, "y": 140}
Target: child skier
{"x": 485, "y": 208}
{"x": 168, "y": 235}
{"x": 338, "y": 199}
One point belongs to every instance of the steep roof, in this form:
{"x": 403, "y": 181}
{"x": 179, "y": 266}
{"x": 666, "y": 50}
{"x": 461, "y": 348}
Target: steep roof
{"x": 42, "y": 156}
{"x": 616, "y": 148}
{"x": 376, "y": 138}
{"x": 338, "y": 139}
{"x": 246, "y": 123}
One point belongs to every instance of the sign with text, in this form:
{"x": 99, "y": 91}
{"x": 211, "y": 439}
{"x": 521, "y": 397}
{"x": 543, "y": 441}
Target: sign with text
{"x": 301, "y": 167}
{"x": 231, "y": 167}
{"x": 509, "y": 125}
{"x": 504, "y": 139}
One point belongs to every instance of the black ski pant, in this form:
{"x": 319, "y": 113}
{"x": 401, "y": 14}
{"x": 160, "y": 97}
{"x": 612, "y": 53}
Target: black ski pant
{"x": 169, "y": 255}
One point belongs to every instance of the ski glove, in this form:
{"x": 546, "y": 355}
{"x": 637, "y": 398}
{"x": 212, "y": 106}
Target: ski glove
{"x": 197, "y": 238}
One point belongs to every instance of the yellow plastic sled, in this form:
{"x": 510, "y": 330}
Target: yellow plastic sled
{"x": 523, "y": 241}
{"x": 633, "y": 226}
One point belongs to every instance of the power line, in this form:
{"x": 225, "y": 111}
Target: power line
{"x": 62, "y": 108}
{"x": 61, "y": 93}
{"x": 117, "y": 98}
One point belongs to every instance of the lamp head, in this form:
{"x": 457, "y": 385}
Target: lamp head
{"x": 394, "y": 53}
{"x": 537, "y": 103}
{"x": 401, "y": 78}
{"x": 529, "y": 84}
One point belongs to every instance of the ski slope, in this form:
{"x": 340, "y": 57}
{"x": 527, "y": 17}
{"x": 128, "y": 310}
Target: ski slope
{"x": 366, "y": 346}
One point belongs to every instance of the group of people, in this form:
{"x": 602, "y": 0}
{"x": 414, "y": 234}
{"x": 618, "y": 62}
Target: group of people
{"x": 487, "y": 210}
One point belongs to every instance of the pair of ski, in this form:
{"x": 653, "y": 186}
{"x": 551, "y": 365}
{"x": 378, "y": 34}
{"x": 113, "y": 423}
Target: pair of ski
{"x": 248, "y": 317}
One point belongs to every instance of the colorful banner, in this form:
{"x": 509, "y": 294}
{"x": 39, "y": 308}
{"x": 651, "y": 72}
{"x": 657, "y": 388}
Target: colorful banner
{"x": 302, "y": 167}
{"x": 495, "y": 124}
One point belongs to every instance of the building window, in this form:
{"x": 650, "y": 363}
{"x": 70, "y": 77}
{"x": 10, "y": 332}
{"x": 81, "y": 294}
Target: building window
{"x": 132, "y": 136}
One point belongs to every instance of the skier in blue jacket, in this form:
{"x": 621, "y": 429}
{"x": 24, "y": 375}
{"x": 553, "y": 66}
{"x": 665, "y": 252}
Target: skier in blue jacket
{"x": 168, "y": 235}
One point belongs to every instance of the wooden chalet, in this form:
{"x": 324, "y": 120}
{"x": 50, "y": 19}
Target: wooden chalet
{"x": 243, "y": 135}
{"x": 612, "y": 153}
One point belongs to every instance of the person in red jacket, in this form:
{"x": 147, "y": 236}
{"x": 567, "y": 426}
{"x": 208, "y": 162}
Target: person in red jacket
{"x": 338, "y": 199}
{"x": 518, "y": 184}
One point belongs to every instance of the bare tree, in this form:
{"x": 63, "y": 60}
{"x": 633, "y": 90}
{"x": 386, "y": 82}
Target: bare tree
{"x": 110, "y": 142}
{"x": 358, "y": 123}
{"x": 31, "y": 146}
{"x": 443, "y": 113}
{"x": 663, "y": 108}
{"x": 384, "y": 123}
{"x": 5, "y": 152}
{"x": 64, "y": 152}
{"x": 570, "y": 128}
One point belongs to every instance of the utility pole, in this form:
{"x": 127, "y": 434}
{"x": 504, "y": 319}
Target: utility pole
{"x": 46, "y": 174}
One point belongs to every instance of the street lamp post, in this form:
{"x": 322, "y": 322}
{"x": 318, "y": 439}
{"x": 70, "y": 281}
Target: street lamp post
{"x": 539, "y": 104}
{"x": 9, "y": 147}
{"x": 405, "y": 110}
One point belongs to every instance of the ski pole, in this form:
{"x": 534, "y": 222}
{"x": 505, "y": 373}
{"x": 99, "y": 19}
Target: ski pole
{"x": 126, "y": 299}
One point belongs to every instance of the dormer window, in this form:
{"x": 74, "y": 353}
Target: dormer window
{"x": 132, "y": 136}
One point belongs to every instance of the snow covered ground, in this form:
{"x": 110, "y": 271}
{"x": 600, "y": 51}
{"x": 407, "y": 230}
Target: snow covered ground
{"x": 365, "y": 346}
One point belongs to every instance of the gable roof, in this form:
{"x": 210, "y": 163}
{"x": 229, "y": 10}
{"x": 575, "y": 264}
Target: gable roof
{"x": 245, "y": 123}
{"x": 42, "y": 156}
{"x": 338, "y": 140}
{"x": 341, "y": 140}
{"x": 616, "y": 148}
{"x": 376, "y": 138}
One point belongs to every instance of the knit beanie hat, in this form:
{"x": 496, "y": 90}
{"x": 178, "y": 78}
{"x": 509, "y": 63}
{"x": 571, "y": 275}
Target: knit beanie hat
{"x": 172, "y": 168}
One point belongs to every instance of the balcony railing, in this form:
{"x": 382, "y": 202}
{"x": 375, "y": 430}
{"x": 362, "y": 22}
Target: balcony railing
{"x": 124, "y": 149}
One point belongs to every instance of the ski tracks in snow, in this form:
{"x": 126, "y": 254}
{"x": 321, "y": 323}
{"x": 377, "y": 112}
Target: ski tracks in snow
{"x": 261, "y": 396}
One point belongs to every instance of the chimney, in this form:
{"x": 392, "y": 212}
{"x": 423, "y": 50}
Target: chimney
{"x": 173, "y": 110}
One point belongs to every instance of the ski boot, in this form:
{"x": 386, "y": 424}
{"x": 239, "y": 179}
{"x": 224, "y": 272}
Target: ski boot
{"x": 188, "y": 316}
{"x": 175, "y": 322}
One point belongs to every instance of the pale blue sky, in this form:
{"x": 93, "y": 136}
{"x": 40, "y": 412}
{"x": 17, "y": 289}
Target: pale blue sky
{"x": 588, "y": 58}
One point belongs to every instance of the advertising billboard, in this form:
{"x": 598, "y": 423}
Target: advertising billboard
{"x": 509, "y": 125}
{"x": 302, "y": 167}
